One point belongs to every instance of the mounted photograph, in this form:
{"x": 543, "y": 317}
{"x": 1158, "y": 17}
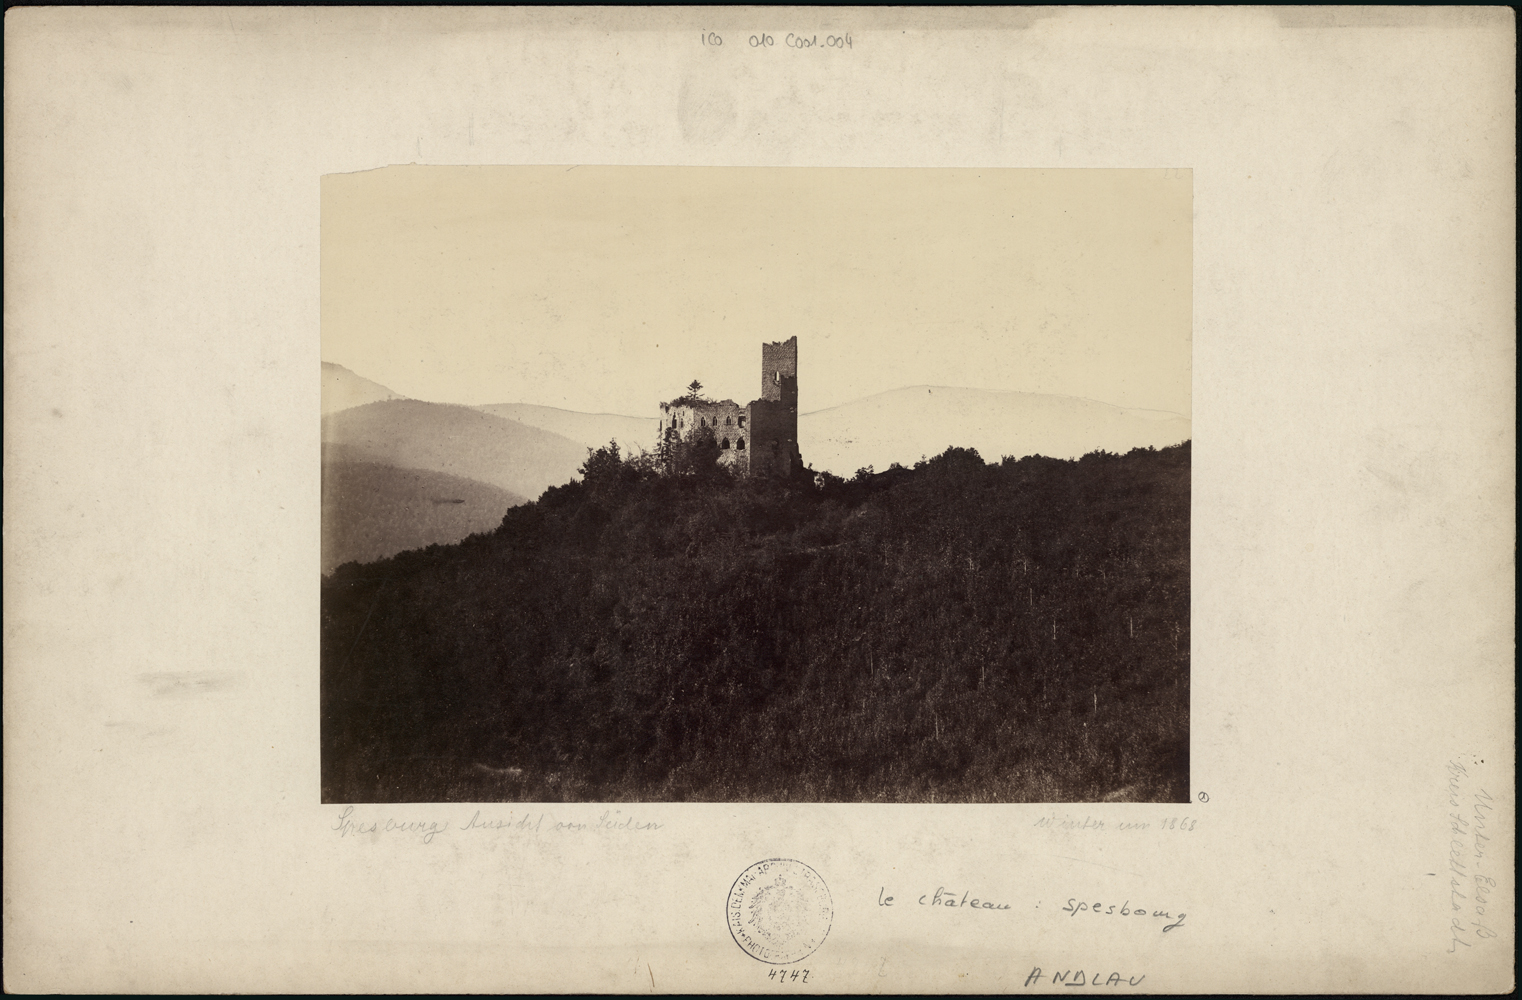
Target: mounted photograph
{"x": 782, "y": 484}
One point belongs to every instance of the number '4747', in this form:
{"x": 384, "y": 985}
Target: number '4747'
{"x": 789, "y": 975}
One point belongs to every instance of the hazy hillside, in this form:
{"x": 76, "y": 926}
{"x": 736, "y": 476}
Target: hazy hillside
{"x": 591, "y": 429}
{"x": 455, "y": 440}
{"x": 372, "y": 511}
{"x": 342, "y": 389}
{"x": 958, "y": 631}
{"x": 904, "y": 425}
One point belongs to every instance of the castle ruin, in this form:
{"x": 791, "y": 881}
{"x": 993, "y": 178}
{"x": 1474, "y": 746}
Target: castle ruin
{"x": 759, "y": 439}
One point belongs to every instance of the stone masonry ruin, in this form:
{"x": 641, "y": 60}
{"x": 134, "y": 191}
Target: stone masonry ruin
{"x": 759, "y": 439}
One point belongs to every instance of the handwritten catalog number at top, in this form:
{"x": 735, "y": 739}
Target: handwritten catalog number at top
{"x": 791, "y": 40}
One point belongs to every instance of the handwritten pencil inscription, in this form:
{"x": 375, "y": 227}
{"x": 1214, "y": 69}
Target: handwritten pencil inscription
{"x": 1073, "y": 907}
{"x": 945, "y": 899}
{"x": 1472, "y": 875}
{"x": 1078, "y": 977}
{"x": 427, "y": 829}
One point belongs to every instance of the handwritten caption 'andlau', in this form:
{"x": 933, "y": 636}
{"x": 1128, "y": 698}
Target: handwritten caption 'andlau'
{"x": 1076, "y": 977}
{"x": 427, "y": 830}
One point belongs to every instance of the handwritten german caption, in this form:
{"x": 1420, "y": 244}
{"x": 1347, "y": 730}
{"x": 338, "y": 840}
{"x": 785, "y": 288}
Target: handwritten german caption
{"x": 428, "y": 829}
{"x": 1473, "y": 868}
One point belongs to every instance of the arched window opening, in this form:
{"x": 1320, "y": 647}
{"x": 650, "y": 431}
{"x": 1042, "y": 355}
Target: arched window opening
{"x": 742, "y": 421}
{"x": 741, "y": 445}
{"x": 724, "y": 445}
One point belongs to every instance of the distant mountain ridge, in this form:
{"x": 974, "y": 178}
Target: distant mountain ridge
{"x": 455, "y": 440}
{"x": 591, "y": 429}
{"x": 498, "y": 455}
{"x": 343, "y": 389}
{"x": 902, "y": 425}
{"x": 899, "y": 425}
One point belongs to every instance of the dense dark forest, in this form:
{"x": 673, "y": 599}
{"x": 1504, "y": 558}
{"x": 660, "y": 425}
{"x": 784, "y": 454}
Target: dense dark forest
{"x": 657, "y": 630}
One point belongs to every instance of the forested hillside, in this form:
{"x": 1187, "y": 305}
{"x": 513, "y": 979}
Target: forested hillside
{"x": 959, "y": 631}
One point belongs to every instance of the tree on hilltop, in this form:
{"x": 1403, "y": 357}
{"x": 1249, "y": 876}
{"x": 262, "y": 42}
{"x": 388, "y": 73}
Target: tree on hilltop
{"x": 693, "y": 396}
{"x": 603, "y": 465}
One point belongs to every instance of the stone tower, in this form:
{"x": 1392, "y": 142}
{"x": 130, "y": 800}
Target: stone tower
{"x": 774, "y": 417}
{"x": 779, "y": 371}
{"x": 760, "y": 439}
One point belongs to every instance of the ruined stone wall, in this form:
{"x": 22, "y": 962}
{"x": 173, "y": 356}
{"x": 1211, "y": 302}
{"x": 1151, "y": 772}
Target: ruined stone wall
{"x": 728, "y": 420}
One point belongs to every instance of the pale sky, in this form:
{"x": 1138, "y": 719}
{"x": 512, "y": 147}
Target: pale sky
{"x": 608, "y": 289}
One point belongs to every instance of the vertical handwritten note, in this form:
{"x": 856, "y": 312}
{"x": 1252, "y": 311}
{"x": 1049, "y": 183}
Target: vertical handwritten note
{"x": 1472, "y": 871}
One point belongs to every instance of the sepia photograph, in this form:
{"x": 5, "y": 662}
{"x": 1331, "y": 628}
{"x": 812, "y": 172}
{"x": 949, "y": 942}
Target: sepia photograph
{"x": 767, "y": 485}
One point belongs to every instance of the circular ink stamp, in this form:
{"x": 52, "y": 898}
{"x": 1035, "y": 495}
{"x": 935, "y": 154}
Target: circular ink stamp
{"x": 779, "y": 911}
